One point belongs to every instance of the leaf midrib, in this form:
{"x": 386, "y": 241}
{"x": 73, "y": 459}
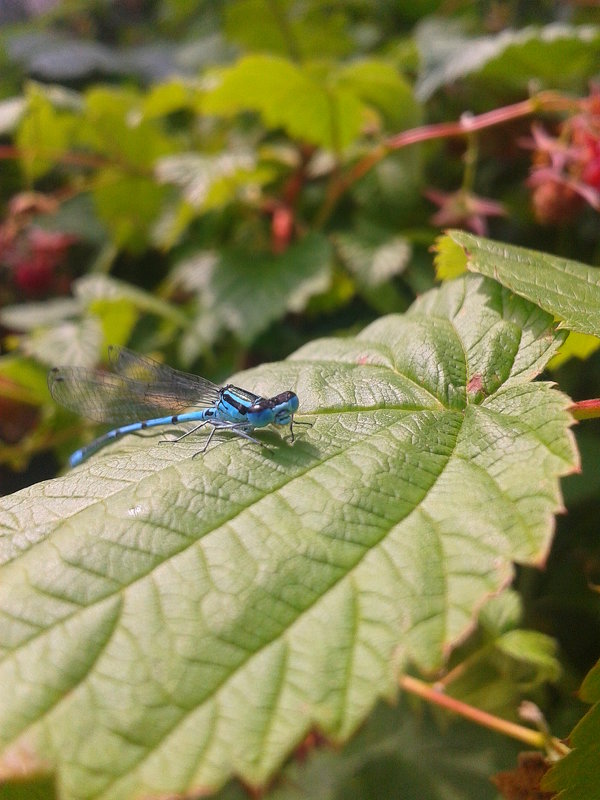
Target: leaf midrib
{"x": 191, "y": 543}
{"x": 265, "y": 644}
{"x": 217, "y": 688}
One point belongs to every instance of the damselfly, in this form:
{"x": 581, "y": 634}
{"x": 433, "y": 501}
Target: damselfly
{"x": 140, "y": 388}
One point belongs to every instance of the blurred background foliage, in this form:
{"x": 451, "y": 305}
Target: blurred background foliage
{"x": 216, "y": 183}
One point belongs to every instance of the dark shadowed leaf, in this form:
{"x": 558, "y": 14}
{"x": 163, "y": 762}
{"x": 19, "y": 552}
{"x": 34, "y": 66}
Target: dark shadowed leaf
{"x": 575, "y": 777}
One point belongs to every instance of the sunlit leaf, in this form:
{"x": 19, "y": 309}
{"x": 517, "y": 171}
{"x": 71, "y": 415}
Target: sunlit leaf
{"x": 567, "y": 289}
{"x": 27, "y": 316}
{"x": 11, "y": 111}
{"x": 77, "y": 342}
{"x": 43, "y": 135}
{"x": 381, "y": 85}
{"x": 296, "y": 98}
{"x": 165, "y": 98}
{"x": 114, "y": 125}
{"x": 170, "y": 621}
{"x": 450, "y": 260}
{"x": 100, "y": 289}
{"x": 209, "y": 181}
{"x": 577, "y": 345}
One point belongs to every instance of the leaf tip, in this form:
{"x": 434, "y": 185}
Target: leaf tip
{"x": 20, "y": 762}
{"x": 450, "y": 258}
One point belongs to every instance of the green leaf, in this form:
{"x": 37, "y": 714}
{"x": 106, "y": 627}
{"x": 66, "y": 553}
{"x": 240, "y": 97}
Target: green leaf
{"x": 567, "y": 289}
{"x": 577, "y": 345}
{"x": 211, "y": 181}
{"x": 43, "y": 135}
{"x": 166, "y": 98}
{"x": 297, "y": 98}
{"x": 373, "y": 254}
{"x": 28, "y": 316}
{"x": 500, "y": 663}
{"x": 509, "y": 58}
{"x": 380, "y": 85}
{"x": 287, "y": 28}
{"x": 244, "y": 291}
{"x": 128, "y": 206}
{"x": 114, "y": 125}
{"x": 23, "y": 380}
{"x": 170, "y": 621}
{"x": 395, "y": 748}
{"x": 450, "y": 260}
{"x": 500, "y": 614}
{"x": 95, "y": 291}
{"x": 535, "y": 651}
{"x": 77, "y": 217}
{"x": 391, "y": 190}
{"x": 77, "y": 342}
{"x": 575, "y": 777}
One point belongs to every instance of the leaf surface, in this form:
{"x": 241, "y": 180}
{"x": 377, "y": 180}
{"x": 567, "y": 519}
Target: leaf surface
{"x": 245, "y": 292}
{"x": 170, "y": 621}
{"x": 509, "y": 58}
{"x": 298, "y": 99}
{"x": 567, "y": 289}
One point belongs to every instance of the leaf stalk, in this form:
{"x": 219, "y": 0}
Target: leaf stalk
{"x": 432, "y": 694}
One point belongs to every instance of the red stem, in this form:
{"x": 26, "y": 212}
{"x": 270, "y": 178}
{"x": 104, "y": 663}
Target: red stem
{"x": 467, "y": 124}
{"x": 586, "y": 409}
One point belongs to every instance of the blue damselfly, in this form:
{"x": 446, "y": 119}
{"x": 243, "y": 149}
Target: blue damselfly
{"x": 140, "y": 388}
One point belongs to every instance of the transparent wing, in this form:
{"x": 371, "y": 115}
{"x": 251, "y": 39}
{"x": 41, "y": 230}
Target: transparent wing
{"x": 107, "y": 397}
{"x": 193, "y": 389}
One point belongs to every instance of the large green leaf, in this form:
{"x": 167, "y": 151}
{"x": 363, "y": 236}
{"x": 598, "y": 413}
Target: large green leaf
{"x": 575, "y": 777}
{"x": 380, "y": 85}
{"x": 170, "y": 621}
{"x": 567, "y": 289}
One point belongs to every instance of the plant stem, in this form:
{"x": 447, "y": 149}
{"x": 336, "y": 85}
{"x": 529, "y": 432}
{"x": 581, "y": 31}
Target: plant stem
{"x": 465, "y": 126}
{"x": 429, "y": 692}
{"x": 586, "y": 409}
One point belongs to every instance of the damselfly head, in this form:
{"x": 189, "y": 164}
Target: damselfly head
{"x": 287, "y": 400}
